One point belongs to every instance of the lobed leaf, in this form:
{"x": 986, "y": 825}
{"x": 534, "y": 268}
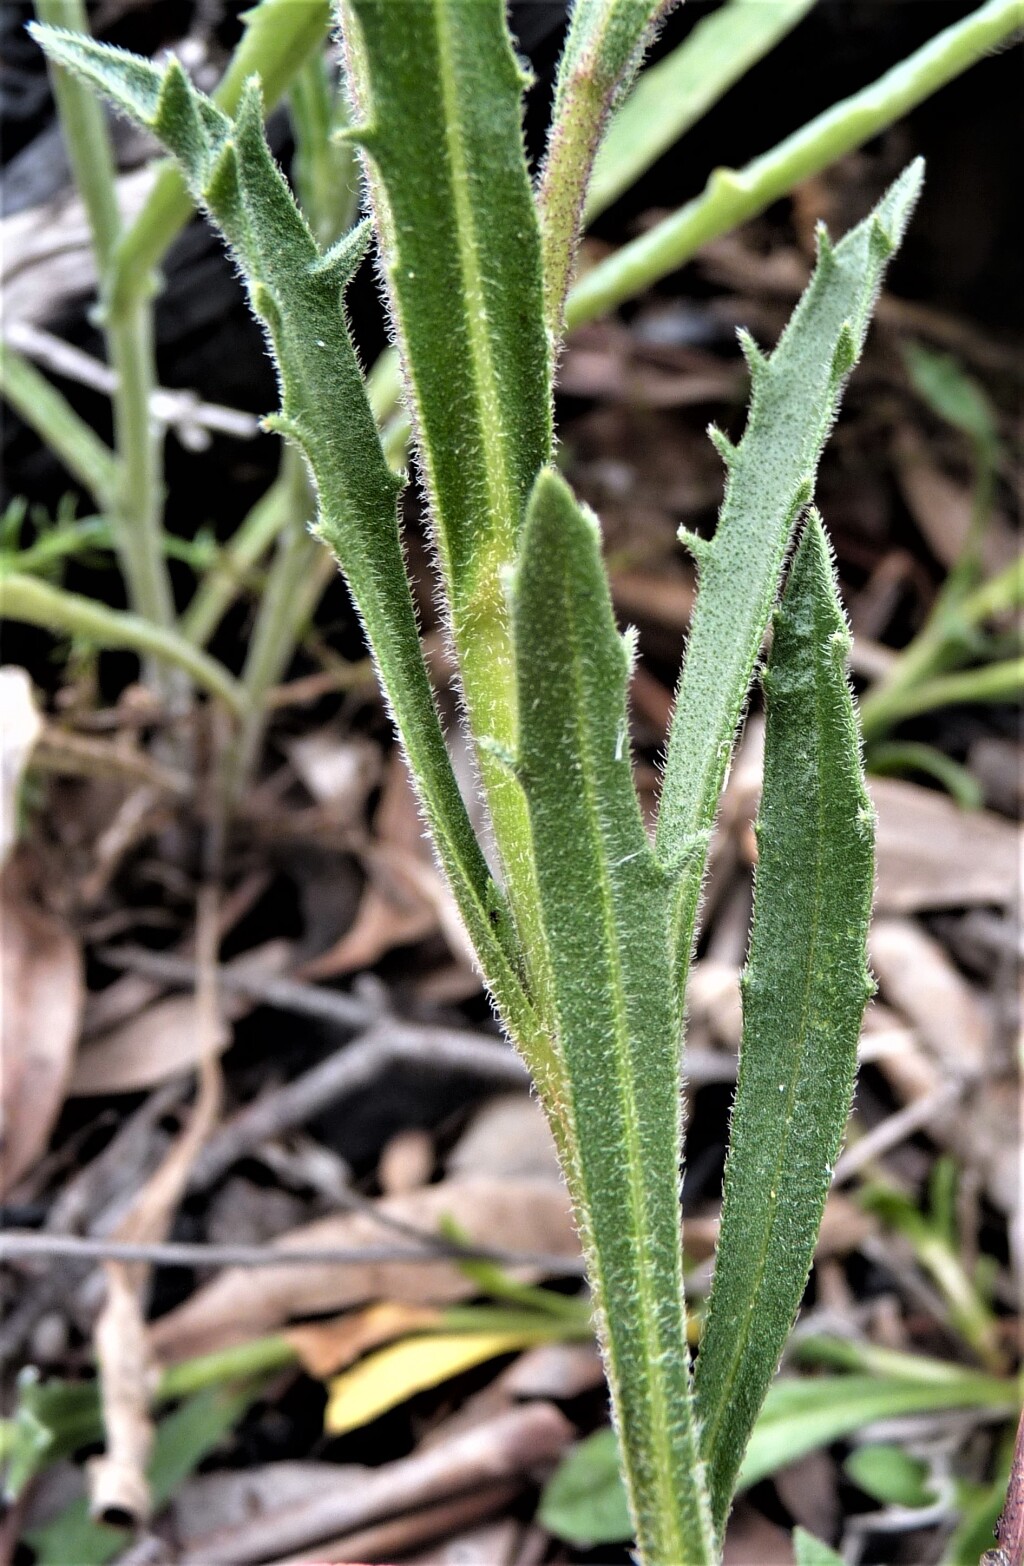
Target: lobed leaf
{"x": 296, "y": 291}
{"x": 804, "y": 991}
{"x": 605, "y": 909}
{"x": 795, "y": 397}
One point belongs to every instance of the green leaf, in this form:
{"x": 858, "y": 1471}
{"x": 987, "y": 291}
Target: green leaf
{"x": 584, "y": 1502}
{"x": 605, "y": 910}
{"x": 603, "y": 49}
{"x": 279, "y": 37}
{"x": 438, "y": 111}
{"x": 183, "y": 1439}
{"x": 810, "y": 1551}
{"x": 795, "y": 396}
{"x": 437, "y": 108}
{"x": 890, "y": 1475}
{"x": 798, "y": 1416}
{"x": 804, "y": 990}
{"x": 296, "y": 292}
{"x": 953, "y": 395}
{"x": 674, "y": 94}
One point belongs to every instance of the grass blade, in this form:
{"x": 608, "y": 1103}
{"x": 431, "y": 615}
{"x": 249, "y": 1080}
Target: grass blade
{"x": 804, "y": 991}
{"x": 674, "y": 94}
{"x": 605, "y": 908}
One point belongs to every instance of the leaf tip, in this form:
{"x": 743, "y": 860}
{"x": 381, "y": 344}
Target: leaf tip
{"x": 700, "y": 548}
{"x": 757, "y": 359}
{"x": 723, "y": 445}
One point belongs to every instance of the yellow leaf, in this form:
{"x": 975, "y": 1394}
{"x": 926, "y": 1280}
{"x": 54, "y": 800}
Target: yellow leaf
{"x": 326, "y": 1346}
{"x": 387, "y": 1378}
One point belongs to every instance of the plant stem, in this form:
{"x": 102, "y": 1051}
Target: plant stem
{"x": 733, "y": 196}
{"x": 917, "y": 682}
{"x": 137, "y": 510}
{"x": 28, "y": 599}
{"x": 46, "y": 411}
{"x": 909, "y": 756}
{"x": 294, "y": 584}
{"x": 257, "y": 1357}
{"x": 237, "y": 560}
{"x": 992, "y": 682}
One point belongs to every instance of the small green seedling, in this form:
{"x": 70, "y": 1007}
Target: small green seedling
{"x": 585, "y": 931}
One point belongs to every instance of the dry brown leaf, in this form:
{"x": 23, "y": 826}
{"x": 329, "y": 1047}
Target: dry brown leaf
{"x": 916, "y": 976}
{"x": 153, "y": 1046}
{"x": 20, "y": 728}
{"x": 164, "y": 1039}
{"x": 559, "y": 1371}
{"x": 509, "y": 1138}
{"x": 389, "y": 1540}
{"x": 511, "y": 1445}
{"x": 520, "y": 1215}
{"x": 404, "y": 896}
{"x": 326, "y": 1346}
{"x": 42, "y": 993}
{"x": 207, "y": 1503}
{"x": 118, "y": 1486}
{"x": 943, "y": 507}
{"x": 406, "y": 1161}
{"x": 338, "y": 769}
{"x": 932, "y": 854}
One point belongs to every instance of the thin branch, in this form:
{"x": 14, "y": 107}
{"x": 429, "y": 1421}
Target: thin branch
{"x": 183, "y": 411}
{"x": 21, "y": 1245}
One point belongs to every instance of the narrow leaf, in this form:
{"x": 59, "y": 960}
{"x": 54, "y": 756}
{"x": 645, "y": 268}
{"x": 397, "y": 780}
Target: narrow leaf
{"x": 804, "y": 991}
{"x": 674, "y": 94}
{"x": 605, "y": 911}
{"x": 800, "y": 1416}
{"x": 396, "y": 1373}
{"x": 605, "y": 43}
{"x": 296, "y": 291}
{"x": 437, "y": 108}
{"x": 795, "y": 396}
{"x": 439, "y": 101}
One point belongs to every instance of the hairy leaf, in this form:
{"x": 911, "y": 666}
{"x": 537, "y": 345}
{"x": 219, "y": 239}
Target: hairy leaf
{"x": 605, "y": 908}
{"x": 804, "y": 991}
{"x": 296, "y": 291}
{"x": 603, "y": 49}
{"x": 795, "y": 396}
{"x": 437, "y": 107}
